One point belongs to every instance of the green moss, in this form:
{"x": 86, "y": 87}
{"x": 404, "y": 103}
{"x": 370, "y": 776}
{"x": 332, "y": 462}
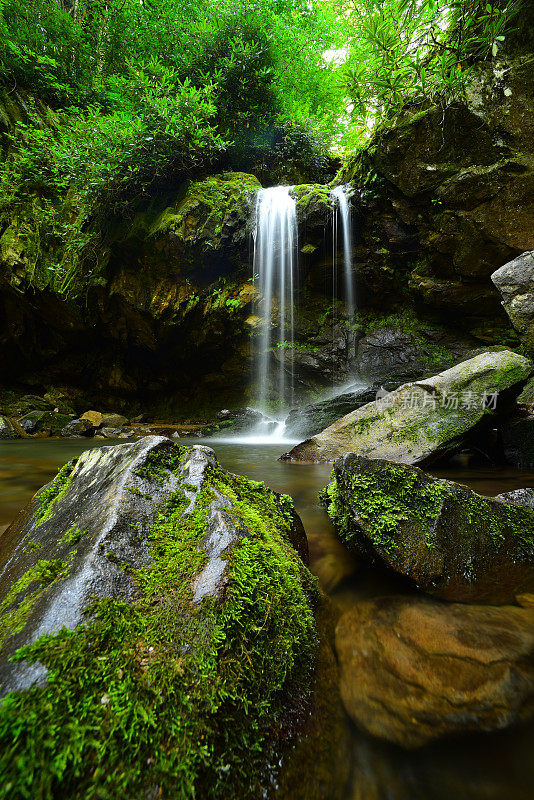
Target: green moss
{"x": 54, "y": 492}
{"x": 161, "y": 696}
{"x": 392, "y": 496}
{"x": 72, "y": 536}
{"x": 362, "y": 426}
{"x": 382, "y": 500}
{"x": 20, "y": 599}
{"x": 213, "y": 200}
{"x": 312, "y": 193}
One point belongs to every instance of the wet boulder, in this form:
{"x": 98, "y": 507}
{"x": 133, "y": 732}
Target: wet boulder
{"x": 450, "y": 541}
{"x": 44, "y": 422}
{"x": 78, "y": 427}
{"x": 515, "y": 282}
{"x": 424, "y": 420}
{"x": 396, "y": 353}
{"x": 157, "y": 601}
{"x": 313, "y": 417}
{"x": 8, "y": 429}
{"x": 414, "y": 670}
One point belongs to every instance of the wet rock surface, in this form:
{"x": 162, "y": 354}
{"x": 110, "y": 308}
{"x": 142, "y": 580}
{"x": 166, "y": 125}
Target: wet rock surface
{"x": 311, "y": 418}
{"x": 145, "y": 576}
{"x": 7, "y": 429}
{"x": 423, "y": 420}
{"x": 515, "y": 282}
{"x": 447, "y": 539}
{"x": 414, "y": 670}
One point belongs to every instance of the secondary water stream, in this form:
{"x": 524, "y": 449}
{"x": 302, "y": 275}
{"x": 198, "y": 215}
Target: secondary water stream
{"x": 481, "y": 767}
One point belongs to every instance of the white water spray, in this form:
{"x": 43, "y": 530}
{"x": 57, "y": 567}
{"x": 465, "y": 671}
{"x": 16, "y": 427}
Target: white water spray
{"x": 275, "y": 264}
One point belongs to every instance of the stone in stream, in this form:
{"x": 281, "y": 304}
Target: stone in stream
{"x": 515, "y": 282}
{"x": 160, "y": 606}
{"x": 450, "y": 541}
{"x": 424, "y": 420}
{"x": 77, "y": 428}
{"x": 313, "y": 417}
{"x": 414, "y": 670}
{"x": 7, "y": 429}
{"x": 44, "y": 422}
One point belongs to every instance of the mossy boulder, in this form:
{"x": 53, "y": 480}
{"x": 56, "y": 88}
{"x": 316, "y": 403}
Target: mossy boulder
{"x": 414, "y": 670}
{"x": 157, "y": 630}
{"x": 421, "y": 421}
{"x": 314, "y": 204}
{"x": 44, "y": 422}
{"x": 450, "y": 541}
{"x": 210, "y": 211}
{"x": 8, "y": 429}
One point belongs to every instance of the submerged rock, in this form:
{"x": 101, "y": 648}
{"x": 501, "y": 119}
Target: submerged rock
{"x": 515, "y": 281}
{"x": 452, "y": 542}
{"x": 422, "y": 420}
{"x": 160, "y": 605}
{"x": 414, "y": 670}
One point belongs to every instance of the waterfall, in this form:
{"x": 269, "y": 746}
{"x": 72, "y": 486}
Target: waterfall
{"x": 341, "y": 196}
{"x": 275, "y": 264}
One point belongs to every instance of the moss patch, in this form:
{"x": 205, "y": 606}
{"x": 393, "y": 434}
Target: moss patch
{"x": 54, "y": 492}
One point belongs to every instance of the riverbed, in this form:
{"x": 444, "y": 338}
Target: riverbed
{"x": 481, "y": 767}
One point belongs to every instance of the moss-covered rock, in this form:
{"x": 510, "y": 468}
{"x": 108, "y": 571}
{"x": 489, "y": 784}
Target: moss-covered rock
{"x": 44, "y": 422}
{"x": 421, "y": 421}
{"x": 8, "y": 429}
{"x": 452, "y": 542}
{"x": 161, "y": 629}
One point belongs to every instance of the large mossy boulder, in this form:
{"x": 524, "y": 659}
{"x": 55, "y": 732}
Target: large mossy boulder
{"x": 424, "y": 420}
{"x": 414, "y": 670}
{"x": 450, "y": 541}
{"x": 157, "y": 629}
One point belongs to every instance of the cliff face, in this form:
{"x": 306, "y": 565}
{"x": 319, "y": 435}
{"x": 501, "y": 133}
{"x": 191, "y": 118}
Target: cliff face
{"x": 449, "y": 198}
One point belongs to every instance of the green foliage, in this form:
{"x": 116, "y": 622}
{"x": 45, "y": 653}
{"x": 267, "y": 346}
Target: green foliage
{"x": 417, "y": 52}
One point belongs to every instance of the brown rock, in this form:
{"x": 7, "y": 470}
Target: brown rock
{"x": 94, "y": 417}
{"x": 414, "y": 670}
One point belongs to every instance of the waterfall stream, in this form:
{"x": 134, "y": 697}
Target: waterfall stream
{"x": 342, "y": 207}
{"x": 275, "y": 277}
